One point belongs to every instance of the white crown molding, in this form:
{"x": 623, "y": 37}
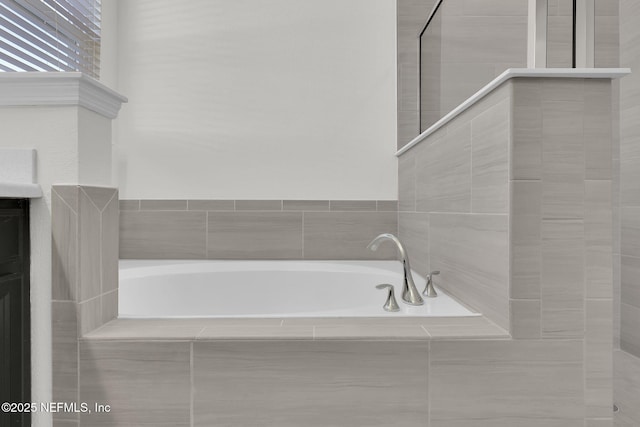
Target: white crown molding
{"x": 511, "y": 73}
{"x": 58, "y": 88}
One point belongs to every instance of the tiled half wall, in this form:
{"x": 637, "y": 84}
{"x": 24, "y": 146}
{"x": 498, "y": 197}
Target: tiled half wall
{"x": 512, "y": 202}
{"x": 255, "y": 229}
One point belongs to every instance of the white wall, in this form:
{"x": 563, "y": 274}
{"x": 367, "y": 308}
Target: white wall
{"x": 264, "y": 99}
{"x": 109, "y": 43}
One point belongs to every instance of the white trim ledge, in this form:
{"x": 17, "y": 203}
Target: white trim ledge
{"x": 574, "y": 73}
{"x": 14, "y": 190}
{"x": 58, "y": 89}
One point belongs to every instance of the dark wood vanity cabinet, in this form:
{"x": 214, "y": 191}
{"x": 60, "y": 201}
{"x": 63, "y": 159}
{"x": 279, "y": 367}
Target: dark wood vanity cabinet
{"x": 15, "y": 339}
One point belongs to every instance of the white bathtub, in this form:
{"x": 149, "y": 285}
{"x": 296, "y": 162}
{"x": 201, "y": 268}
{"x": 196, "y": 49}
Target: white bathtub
{"x": 162, "y": 288}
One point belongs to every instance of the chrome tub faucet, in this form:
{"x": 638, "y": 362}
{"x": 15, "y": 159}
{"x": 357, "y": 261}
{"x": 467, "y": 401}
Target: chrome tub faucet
{"x": 429, "y": 290}
{"x": 409, "y": 292}
{"x": 391, "y": 304}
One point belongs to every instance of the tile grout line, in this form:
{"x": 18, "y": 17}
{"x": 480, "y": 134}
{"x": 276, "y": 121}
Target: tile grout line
{"x": 81, "y": 188}
{"x": 415, "y": 183}
{"x": 53, "y": 190}
{"x": 100, "y": 327}
{"x": 428, "y": 381}
{"x": 471, "y": 161}
{"x": 115, "y": 192}
{"x": 101, "y": 213}
{"x": 88, "y": 299}
{"x": 77, "y": 372}
{"x": 467, "y": 213}
{"x": 585, "y": 316}
{"x": 425, "y": 329}
{"x": 206, "y": 235}
{"x": 509, "y": 204}
{"x": 192, "y": 397}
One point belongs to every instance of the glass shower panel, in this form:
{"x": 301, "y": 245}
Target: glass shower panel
{"x": 430, "y": 72}
{"x": 464, "y": 46}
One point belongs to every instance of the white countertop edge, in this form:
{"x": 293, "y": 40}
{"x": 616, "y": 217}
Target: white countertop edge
{"x": 59, "y": 89}
{"x": 575, "y": 73}
{"x": 17, "y": 190}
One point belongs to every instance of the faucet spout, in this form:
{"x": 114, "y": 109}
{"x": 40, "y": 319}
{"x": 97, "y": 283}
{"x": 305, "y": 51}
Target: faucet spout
{"x": 409, "y": 292}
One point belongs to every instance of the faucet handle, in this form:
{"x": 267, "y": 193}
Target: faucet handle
{"x": 429, "y": 290}
{"x": 391, "y": 304}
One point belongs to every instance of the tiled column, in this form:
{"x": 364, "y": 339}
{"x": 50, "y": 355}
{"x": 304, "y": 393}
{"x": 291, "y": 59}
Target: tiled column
{"x": 85, "y": 277}
{"x": 561, "y": 224}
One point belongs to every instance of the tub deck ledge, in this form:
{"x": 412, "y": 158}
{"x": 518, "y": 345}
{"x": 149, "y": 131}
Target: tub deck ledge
{"x": 364, "y": 329}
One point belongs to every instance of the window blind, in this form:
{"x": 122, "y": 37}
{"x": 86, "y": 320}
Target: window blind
{"x": 50, "y": 35}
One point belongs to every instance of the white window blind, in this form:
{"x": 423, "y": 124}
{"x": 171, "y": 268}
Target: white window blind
{"x": 50, "y": 35}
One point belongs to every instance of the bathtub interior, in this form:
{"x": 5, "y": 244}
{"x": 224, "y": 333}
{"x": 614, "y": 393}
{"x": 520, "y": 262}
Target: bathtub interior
{"x": 268, "y": 289}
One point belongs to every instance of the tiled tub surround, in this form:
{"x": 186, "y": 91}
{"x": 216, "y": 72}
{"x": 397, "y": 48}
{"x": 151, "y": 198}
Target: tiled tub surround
{"x": 511, "y": 201}
{"x": 318, "y": 372}
{"x": 292, "y": 372}
{"x": 84, "y": 224}
{"x": 544, "y": 219}
{"x": 255, "y": 229}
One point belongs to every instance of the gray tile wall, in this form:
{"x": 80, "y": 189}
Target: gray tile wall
{"x": 255, "y": 229}
{"x": 524, "y": 232}
{"x": 454, "y": 199}
{"x": 473, "y": 45}
{"x": 310, "y": 384}
{"x": 626, "y": 389}
{"x": 629, "y": 163}
{"x": 608, "y": 20}
{"x": 506, "y": 383}
{"x": 146, "y": 384}
{"x": 347, "y": 382}
{"x": 267, "y": 383}
{"x": 84, "y": 226}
